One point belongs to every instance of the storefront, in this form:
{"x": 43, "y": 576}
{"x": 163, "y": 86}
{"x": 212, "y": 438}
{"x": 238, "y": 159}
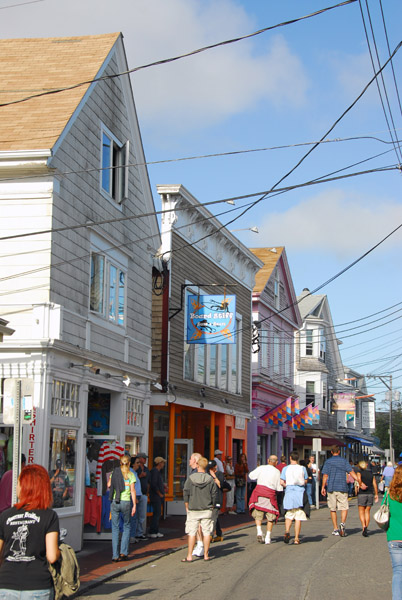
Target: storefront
{"x": 176, "y": 431}
{"x": 78, "y": 419}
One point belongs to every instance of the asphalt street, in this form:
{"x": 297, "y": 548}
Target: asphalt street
{"x": 322, "y": 567}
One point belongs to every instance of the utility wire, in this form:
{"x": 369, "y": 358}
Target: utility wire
{"x": 195, "y": 157}
{"x": 176, "y": 58}
{"x": 213, "y": 202}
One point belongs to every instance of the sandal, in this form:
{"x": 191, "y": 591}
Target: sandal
{"x": 286, "y": 538}
{"x": 297, "y": 542}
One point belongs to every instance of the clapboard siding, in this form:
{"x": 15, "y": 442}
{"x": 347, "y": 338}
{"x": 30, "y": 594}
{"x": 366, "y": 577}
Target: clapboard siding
{"x": 188, "y": 264}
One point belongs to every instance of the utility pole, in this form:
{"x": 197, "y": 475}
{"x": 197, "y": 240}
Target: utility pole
{"x": 389, "y": 386}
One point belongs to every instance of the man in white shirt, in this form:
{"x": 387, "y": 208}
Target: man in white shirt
{"x": 263, "y": 500}
{"x": 217, "y": 454}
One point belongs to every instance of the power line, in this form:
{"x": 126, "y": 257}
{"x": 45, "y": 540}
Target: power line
{"x": 196, "y": 157}
{"x": 20, "y": 4}
{"x": 213, "y": 202}
{"x": 176, "y": 58}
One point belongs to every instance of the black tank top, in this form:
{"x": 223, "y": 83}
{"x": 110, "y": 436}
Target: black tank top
{"x": 367, "y": 478}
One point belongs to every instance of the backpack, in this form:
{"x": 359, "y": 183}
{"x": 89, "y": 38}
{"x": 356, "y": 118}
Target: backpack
{"x": 65, "y": 573}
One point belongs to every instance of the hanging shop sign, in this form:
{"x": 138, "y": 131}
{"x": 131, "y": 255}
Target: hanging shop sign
{"x": 211, "y": 319}
{"x": 344, "y": 401}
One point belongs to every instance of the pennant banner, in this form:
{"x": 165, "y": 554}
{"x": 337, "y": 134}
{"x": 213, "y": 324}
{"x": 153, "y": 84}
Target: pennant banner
{"x": 278, "y": 415}
{"x": 305, "y": 417}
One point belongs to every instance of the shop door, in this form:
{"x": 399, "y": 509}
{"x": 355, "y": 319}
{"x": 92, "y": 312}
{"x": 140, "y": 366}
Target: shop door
{"x": 183, "y": 449}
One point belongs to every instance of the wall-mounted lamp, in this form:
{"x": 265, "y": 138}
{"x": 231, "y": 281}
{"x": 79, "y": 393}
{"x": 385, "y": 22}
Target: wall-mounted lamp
{"x": 126, "y": 378}
{"x": 90, "y": 366}
{"x": 201, "y": 405}
{"x": 201, "y": 392}
{"x": 157, "y": 385}
{"x": 225, "y": 400}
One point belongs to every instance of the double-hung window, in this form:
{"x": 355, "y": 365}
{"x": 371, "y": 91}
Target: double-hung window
{"x": 108, "y": 289}
{"x": 114, "y": 166}
{"x": 309, "y": 342}
{"x": 310, "y": 392}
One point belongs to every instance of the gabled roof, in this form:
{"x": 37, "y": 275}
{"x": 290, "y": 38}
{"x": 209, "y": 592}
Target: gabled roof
{"x": 33, "y": 66}
{"x": 309, "y": 304}
{"x": 270, "y": 258}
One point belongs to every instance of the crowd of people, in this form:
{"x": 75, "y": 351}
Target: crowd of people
{"x": 285, "y": 489}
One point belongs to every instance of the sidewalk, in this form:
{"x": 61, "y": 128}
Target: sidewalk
{"x": 95, "y": 559}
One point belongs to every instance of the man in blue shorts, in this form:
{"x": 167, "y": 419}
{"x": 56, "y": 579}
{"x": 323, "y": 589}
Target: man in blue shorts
{"x": 334, "y": 476}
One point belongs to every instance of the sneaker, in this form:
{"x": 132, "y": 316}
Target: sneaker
{"x": 133, "y": 540}
{"x": 232, "y": 512}
{"x": 342, "y": 531}
{"x": 198, "y": 550}
{"x": 335, "y": 532}
{"x": 365, "y": 532}
{"x": 260, "y": 539}
{"x": 267, "y": 540}
{"x": 140, "y": 538}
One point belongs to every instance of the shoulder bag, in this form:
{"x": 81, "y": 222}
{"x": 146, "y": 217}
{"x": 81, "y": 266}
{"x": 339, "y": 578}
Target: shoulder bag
{"x": 381, "y": 516}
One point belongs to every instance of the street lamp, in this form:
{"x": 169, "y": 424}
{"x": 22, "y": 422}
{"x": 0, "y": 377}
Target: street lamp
{"x": 389, "y": 386}
{"x": 253, "y": 229}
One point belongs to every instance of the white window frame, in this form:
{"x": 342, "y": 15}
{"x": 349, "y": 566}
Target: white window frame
{"x": 113, "y": 177}
{"x": 276, "y": 351}
{"x": 112, "y": 257}
{"x": 309, "y": 342}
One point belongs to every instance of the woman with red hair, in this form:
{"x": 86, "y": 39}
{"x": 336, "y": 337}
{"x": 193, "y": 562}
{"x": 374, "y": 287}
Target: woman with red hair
{"x": 29, "y": 539}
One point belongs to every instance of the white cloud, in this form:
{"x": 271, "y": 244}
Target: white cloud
{"x": 335, "y": 223}
{"x": 192, "y": 93}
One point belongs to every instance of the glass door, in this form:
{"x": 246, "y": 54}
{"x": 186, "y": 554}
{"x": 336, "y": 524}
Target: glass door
{"x": 183, "y": 449}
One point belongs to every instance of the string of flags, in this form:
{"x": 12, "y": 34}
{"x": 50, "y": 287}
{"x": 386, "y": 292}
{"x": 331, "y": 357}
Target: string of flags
{"x": 289, "y": 410}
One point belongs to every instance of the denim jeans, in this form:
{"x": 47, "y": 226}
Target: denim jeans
{"x": 142, "y": 506}
{"x": 27, "y": 594}
{"x": 395, "y": 550}
{"x": 240, "y": 499}
{"x": 309, "y": 489}
{"x": 125, "y": 508}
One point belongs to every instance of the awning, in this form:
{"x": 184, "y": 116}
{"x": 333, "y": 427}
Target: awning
{"x": 325, "y": 441}
{"x": 361, "y": 440}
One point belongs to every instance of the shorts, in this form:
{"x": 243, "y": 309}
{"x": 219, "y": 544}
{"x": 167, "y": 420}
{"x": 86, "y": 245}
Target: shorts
{"x": 296, "y": 514}
{"x": 338, "y": 501}
{"x": 365, "y": 499}
{"x": 259, "y": 515}
{"x": 199, "y": 517}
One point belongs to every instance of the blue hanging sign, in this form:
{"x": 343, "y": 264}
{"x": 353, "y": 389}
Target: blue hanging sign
{"x": 211, "y": 319}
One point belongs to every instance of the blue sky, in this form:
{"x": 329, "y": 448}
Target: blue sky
{"x": 285, "y": 87}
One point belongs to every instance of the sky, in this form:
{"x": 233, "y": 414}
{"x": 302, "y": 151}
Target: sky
{"x": 268, "y": 99}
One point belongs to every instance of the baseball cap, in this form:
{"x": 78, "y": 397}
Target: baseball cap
{"x": 218, "y": 452}
{"x": 159, "y": 460}
{"x": 142, "y": 455}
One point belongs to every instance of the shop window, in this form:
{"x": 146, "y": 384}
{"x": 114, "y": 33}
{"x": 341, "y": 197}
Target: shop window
{"x": 62, "y": 466}
{"x": 108, "y": 289}
{"x": 65, "y": 400}
{"x": 132, "y": 444}
{"x": 134, "y": 412}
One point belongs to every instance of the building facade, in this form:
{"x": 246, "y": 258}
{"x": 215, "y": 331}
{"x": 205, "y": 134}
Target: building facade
{"x": 276, "y": 318}
{"x": 206, "y": 399}
{"x": 76, "y": 263}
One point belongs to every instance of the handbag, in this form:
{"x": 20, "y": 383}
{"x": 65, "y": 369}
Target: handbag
{"x": 381, "y": 516}
{"x": 381, "y": 486}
